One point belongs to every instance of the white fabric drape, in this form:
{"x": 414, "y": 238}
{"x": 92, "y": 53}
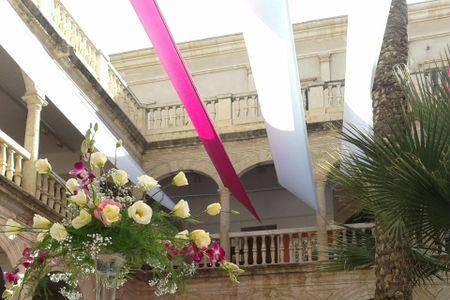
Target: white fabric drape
{"x": 271, "y": 50}
{"x": 366, "y": 25}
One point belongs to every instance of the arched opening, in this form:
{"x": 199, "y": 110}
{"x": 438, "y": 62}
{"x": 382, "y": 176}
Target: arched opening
{"x": 201, "y": 191}
{"x": 277, "y": 207}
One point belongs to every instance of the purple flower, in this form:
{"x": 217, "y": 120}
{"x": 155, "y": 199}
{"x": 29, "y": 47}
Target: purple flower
{"x": 83, "y": 176}
{"x": 215, "y": 253}
{"x": 193, "y": 252}
{"x": 41, "y": 256}
{"x": 12, "y": 277}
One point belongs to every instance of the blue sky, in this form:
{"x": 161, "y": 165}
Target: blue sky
{"x": 113, "y": 26}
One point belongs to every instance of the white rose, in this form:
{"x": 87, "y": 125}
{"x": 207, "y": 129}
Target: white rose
{"x": 182, "y": 235}
{"x": 58, "y": 232}
{"x": 147, "y": 183}
{"x": 200, "y": 238}
{"x": 41, "y": 236}
{"x": 72, "y": 185}
{"x": 43, "y": 166}
{"x": 83, "y": 219}
{"x": 180, "y": 179}
{"x": 140, "y": 212}
{"x": 40, "y": 222}
{"x": 12, "y": 229}
{"x": 79, "y": 199}
{"x": 120, "y": 177}
{"x": 181, "y": 209}
{"x": 213, "y": 209}
{"x": 98, "y": 159}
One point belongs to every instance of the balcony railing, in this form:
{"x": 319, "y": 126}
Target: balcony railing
{"x": 49, "y": 191}
{"x": 284, "y": 246}
{"x": 12, "y": 156}
{"x": 234, "y": 113}
{"x": 93, "y": 59}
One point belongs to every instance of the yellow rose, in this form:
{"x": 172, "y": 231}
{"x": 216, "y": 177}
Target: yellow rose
{"x": 98, "y": 159}
{"x": 43, "y": 166}
{"x": 213, "y": 209}
{"x": 181, "y": 209}
{"x": 39, "y": 222}
{"x": 83, "y": 219}
{"x": 12, "y": 229}
{"x": 140, "y": 212}
{"x": 180, "y": 179}
{"x": 120, "y": 177}
{"x": 111, "y": 214}
{"x": 79, "y": 199}
{"x": 200, "y": 238}
{"x": 182, "y": 235}
{"x": 58, "y": 232}
{"x": 72, "y": 185}
{"x": 147, "y": 183}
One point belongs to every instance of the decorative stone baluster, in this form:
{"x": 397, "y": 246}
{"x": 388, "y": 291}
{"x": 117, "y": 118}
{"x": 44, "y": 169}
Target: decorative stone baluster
{"x": 51, "y": 193}
{"x": 44, "y": 190}
{"x": 10, "y": 164}
{"x": 245, "y": 251}
{"x": 272, "y": 248}
{"x": 58, "y": 198}
{"x": 282, "y": 252}
{"x": 310, "y": 246}
{"x": 254, "y": 250}
{"x": 263, "y": 250}
{"x": 301, "y": 252}
{"x": 18, "y": 170}
{"x": 3, "y": 158}
{"x": 292, "y": 248}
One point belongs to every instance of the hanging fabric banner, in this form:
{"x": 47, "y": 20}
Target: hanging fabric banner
{"x": 170, "y": 57}
{"x": 366, "y": 19}
{"x": 33, "y": 59}
{"x": 270, "y": 45}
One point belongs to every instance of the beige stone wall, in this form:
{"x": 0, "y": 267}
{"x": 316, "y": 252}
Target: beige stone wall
{"x": 280, "y": 282}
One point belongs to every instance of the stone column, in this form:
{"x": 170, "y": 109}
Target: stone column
{"x": 35, "y": 101}
{"x": 325, "y": 68}
{"x": 225, "y": 196}
{"x": 322, "y": 235}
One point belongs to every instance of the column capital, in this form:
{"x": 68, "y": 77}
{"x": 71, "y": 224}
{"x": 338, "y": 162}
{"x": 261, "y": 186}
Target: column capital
{"x": 324, "y": 57}
{"x": 223, "y": 190}
{"x": 36, "y": 98}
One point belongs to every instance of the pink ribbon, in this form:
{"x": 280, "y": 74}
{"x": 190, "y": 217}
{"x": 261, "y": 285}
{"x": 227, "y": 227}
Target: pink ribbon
{"x": 170, "y": 57}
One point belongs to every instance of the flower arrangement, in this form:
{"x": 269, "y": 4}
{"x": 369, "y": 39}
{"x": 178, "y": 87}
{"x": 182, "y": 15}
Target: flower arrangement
{"x": 108, "y": 215}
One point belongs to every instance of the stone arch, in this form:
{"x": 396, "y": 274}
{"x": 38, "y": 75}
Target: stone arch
{"x": 251, "y": 165}
{"x": 13, "y": 249}
{"x": 169, "y": 168}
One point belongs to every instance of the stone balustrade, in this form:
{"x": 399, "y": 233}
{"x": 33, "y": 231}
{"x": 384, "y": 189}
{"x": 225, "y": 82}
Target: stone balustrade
{"x": 97, "y": 63}
{"x": 49, "y": 191}
{"x": 52, "y": 192}
{"x": 241, "y": 112}
{"x": 12, "y": 156}
{"x": 283, "y": 246}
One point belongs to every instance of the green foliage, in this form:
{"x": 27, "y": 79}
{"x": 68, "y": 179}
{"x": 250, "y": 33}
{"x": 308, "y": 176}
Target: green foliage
{"x": 403, "y": 179}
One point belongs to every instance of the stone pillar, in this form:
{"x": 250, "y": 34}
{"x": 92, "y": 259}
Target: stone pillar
{"x": 35, "y": 101}
{"x": 321, "y": 214}
{"x": 225, "y": 196}
{"x": 325, "y": 69}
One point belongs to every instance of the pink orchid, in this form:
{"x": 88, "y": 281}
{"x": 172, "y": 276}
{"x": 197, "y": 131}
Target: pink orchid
{"x": 216, "y": 253}
{"x": 54, "y": 261}
{"x": 12, "y": 277}
{"x": 98, "y": 212}
{"x": 28, "y": 259}
{"x": 193, "y": 252}
{"x": 41, "y": 256}
{"x": 83, "y": 176}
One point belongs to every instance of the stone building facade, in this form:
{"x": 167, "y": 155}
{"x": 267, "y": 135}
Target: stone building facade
{"x": 132, "y": 96}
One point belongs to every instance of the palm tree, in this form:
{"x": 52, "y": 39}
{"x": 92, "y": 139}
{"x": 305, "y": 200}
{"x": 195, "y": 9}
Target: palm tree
{"x": 401, "y": 174}
{"x": 392, "y": 258}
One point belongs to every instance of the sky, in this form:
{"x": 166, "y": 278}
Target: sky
{"x": 113, "y": 26}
